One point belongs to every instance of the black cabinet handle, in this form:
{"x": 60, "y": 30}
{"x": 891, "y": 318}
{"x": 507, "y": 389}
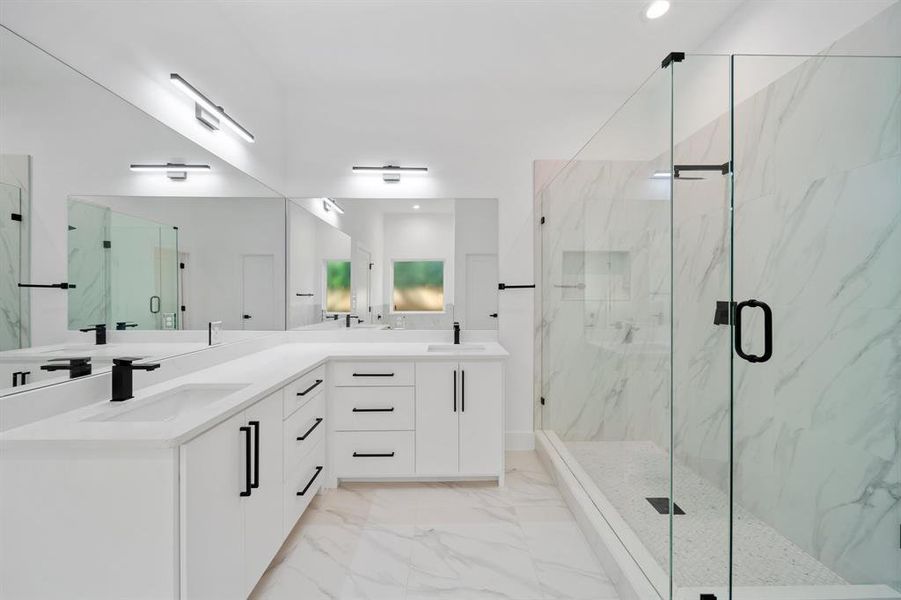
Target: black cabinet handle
{"x": 301, "y": 438}
{"x": 310, "y": 482}
{"x": 373, "y": 374}
{"x": 373, "y": 454}
{"x": 60, "y": 286}
{"x": 246, "y": 317}
{"x": 493, "y": 315}
{"x": 309, "y": 389}
{"x": 305, "y": 295}
{"x": 247, "y": 460}
{"x": 455, "y": 390}
{"x": 390, "y": 409}
{"x": 256, "y": 454}
{"x": 462, "y": 390}
{"x": 767, "y": 331}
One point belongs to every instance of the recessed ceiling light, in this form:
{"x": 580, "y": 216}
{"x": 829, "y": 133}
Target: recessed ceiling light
{"x": 657, "y": 9}
{"x": 415, "y": 207}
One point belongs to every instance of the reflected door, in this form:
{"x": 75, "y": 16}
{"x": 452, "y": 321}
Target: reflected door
{"x": 481, "y": 291}
{"x": 816, "y": 375}
{"x": 259, "y": 292}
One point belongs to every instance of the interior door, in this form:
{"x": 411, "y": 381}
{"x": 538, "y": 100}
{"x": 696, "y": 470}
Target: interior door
{"x": 481, "y": 417}
{"x": 437, "y": 416}
{"x": 816, "y": 383}
{"x": 481, "y": 291}
{"x": 258, "y": 308}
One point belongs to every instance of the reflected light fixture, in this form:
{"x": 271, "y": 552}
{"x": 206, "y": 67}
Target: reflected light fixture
{"x": 174, "y": 171}
{"x": 661, "y": 175}
{"x": 415, "y": 207}
{"x": 206, "y": 111}
{"x": 657, "y": 9}
{"x": 391, "y": 173}
{"x": 329, "y": 204}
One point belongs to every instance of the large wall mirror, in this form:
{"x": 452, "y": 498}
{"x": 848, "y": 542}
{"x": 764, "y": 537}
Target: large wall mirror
{"x": 85, "y": 241}
{"x": 392, "y": 264}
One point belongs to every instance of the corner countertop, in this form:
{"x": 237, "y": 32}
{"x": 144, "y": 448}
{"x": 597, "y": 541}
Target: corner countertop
{"x": 263, "y": 373}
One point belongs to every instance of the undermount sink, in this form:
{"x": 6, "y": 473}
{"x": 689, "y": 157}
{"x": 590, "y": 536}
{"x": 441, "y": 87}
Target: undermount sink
{"x": 456, "y": 348}
{"x": 171, "y": 404}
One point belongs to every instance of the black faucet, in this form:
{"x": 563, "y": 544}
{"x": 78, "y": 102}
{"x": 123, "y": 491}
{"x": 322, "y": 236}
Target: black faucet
{"x": 348, "y": 317}
{"x": 456, "y": 332}
{"x": 100, "y": 329}
{"x": 77, "y": 367}
{"x": 123, "y": 325}
{"x": 122, "y": 377}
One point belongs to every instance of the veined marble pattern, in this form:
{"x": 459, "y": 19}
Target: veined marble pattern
{"x": 439, "y": 540}
{"x": 15, "y": 197}
{"x": 818, "y": 237}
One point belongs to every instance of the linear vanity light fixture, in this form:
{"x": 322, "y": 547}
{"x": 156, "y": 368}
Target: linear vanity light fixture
{"x": 174, "y": 171}
{"x": 206, "y": 111}
{"x": 329, "y": 204}
{"x": 391, "y": 173}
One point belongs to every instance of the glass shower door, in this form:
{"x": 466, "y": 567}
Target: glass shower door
{"x": 10, "y": 267}
{"x": 816, "y": 367}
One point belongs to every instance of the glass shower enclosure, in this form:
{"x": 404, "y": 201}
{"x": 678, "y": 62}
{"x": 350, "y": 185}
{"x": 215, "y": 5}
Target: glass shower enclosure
{"x": 721, "y": 326}
{"x": 125, "y": 269}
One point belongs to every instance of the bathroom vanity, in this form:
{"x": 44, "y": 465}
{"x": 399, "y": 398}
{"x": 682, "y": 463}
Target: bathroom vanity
{"x": 189, "y": 489}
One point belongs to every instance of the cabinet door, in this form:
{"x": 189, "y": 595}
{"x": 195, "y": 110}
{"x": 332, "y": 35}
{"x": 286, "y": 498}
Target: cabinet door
{"x": 211, "y": 479}
{"x": 436, "y": 418}
{"x": 263, "y": 509}
{"x": 481, "y": 418}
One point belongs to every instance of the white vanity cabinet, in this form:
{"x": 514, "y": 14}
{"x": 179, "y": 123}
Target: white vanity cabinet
{"x": 231, "y": 494}
{"x": 419, "y": 419}
{"x": 459, "y": 418}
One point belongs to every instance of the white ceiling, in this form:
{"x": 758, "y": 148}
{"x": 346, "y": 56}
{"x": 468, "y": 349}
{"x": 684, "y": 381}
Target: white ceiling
{"x": 476, "y": 90}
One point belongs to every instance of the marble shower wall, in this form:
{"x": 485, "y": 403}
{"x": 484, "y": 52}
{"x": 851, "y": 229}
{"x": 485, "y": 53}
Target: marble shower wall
{"x": 817, "y": 236}
{"x": 15, "y": 197}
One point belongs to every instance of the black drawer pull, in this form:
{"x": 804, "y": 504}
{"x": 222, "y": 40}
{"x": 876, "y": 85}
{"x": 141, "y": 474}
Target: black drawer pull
{"x": 247, "y": 459}
{"x": 391, "y": 409}
{"x": 373, "y": 374}
{"x": 301, "y": 438}
{"x": 373, "y": 454}
{"x": 310, "y": 482}
{"x": 256, "y": 454}
{"x": 309, "y": 389}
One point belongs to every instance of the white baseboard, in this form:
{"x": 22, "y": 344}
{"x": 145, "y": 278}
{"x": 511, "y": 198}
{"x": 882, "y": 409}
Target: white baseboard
{"x": 520, "y": 440}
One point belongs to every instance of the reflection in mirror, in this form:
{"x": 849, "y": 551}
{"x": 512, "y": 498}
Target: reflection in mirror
{"x": 401, "y": 264}
{"x": 86, "y": 241}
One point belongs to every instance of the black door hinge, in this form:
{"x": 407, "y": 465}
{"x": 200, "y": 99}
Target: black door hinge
{"x": 370, "y": 266}
{"x": 15, "y": 217}
{"x": 543, "y": 401}
{"x": 181, "y": 265}
{"x": 707, "y": 597}
{"x": 182, "y": 308}
{"x": 107, "y": 244}
{"x": 542, "y": 220}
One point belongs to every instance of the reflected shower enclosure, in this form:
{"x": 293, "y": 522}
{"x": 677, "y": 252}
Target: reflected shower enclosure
{"x": 720, "y": 335}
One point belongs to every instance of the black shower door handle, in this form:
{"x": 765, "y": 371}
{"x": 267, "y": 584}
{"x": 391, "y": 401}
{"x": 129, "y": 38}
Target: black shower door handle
{"x": 767, "y": 331}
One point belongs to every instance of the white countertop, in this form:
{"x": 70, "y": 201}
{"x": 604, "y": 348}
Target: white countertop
{"x": 265, "y": 372}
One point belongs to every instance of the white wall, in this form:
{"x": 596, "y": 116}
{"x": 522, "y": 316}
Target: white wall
{"x": 216, "y": 233}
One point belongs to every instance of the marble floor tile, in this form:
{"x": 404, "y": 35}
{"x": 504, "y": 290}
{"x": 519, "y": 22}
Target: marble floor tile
{"x": 433, "y": 541}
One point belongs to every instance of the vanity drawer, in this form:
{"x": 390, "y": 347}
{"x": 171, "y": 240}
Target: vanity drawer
{"x": 303, "y": 389}
{"x": 302, "y": 483}
{"x": 373, "y": 408}
{"x": 307, "y": 423}
{"x": 373, "y": 373}
{"x": 374, "y": 453}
